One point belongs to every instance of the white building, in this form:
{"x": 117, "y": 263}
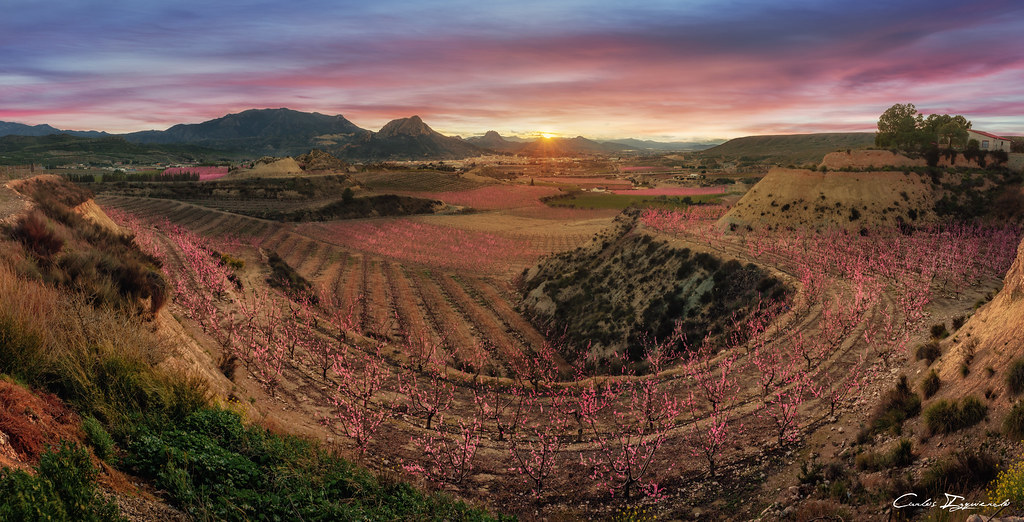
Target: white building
{"x": 988, "y": 141}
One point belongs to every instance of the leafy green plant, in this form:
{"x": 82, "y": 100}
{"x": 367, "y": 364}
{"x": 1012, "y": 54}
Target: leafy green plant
{"x": 958, "y": 322}
{"x": 96, "y": 435}
{"x": 214, "y": 467}
{"x": 898, "y": 456}
{"x": 64, "y": 488}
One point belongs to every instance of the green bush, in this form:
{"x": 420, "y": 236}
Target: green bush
{"x": 64, "y": 488}
{"x": 939, "y": 331}
{"x": 1015, "y": 377}
{"x": 947, "y": 417}
{"x": 216, "y": 468}
{"x": 97, "y": 437}
{"x": 930, "y": 384}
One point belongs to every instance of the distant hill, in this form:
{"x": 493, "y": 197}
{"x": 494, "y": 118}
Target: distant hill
{"x": 274, "y": 132}
{"x": 793, "y": 149}
{"x": 20, "y": 129}
{"x": 665, "y": 146}
{"x": 494, "y": 141}
{"x": 62, "y": 149}
{"x": 578, "y": 146}
{"x": 406, "y": 138}
{"x": 317, "y": 159}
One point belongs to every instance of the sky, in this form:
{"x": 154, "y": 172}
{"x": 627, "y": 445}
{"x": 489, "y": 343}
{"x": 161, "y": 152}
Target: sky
{"x": 654, "y": 69}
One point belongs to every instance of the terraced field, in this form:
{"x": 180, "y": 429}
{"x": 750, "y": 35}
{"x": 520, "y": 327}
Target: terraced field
{"x": 471, "y": 313}
{"x": 426, "y": 180}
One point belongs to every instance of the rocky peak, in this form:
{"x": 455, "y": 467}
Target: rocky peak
{"x": 413, "y": 126}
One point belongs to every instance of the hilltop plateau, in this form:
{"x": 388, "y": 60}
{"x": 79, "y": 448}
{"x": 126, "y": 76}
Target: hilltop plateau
{"x": 790, "y": 149}
{"x": 876, "y": 189}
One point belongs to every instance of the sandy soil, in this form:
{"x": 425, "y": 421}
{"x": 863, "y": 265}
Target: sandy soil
{"x": 805, "y": 198}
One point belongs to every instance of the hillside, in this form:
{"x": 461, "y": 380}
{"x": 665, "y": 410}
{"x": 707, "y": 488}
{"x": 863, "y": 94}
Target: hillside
{"x": 663, "y": 146}
{"x": 990, "y": 339}
{"x": 491, "y": 140}
{"x": 274, "y": 132}
{"x": 579, "y": 146}
{"x": 317, "y": 160}
{"x": 111, "y": 407}
{"x": 627, "y": 287}
{"x": 805, "y": 198}
{"x": 62, "y": 149}
{"x": 8, "y": 128}
{"x": 793, "y": 149}
{"x": 854, "y": 200}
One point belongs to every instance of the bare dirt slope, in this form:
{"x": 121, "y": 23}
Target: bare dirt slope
{"x": 183, "y": 352}
{"x": 991, "y": 339}
{"x": 871, "y": 159}
{"x": 852, "y": 200}
{"x": 863, "y": 159}
{"x": 270, "y": 168}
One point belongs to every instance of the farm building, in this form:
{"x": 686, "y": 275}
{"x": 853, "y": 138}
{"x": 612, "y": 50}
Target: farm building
{"x": 987, "y": 141}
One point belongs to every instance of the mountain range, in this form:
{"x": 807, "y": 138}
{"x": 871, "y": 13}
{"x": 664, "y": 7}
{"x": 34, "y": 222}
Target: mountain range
{"x": 285, "y": 132}
{"x": 20, "y": 129}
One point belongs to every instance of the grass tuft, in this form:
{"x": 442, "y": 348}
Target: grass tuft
{"x": 947, "y": 417}
{"x": 1015, "y": 376}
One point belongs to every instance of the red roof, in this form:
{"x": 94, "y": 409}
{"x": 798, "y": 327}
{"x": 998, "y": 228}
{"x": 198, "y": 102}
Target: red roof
{"x": 989, "y": 135}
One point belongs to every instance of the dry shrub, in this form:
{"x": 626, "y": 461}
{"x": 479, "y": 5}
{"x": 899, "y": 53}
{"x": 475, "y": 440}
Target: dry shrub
{"x": 820, "y": 510}
{"x": 25, "y": 307}
{"x": 33, "y": 421}
{"x": 97, "y": 261}
{"x": 98, "y": 359}
{"x": 53, "y": 188}
{"x": 38, "y": 235}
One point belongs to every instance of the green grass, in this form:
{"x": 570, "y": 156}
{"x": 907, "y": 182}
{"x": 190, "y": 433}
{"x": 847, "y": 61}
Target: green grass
{"x": 63, "y": 488}
{"x": 607, "y": 200}
{"x": 217, "y": 468}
